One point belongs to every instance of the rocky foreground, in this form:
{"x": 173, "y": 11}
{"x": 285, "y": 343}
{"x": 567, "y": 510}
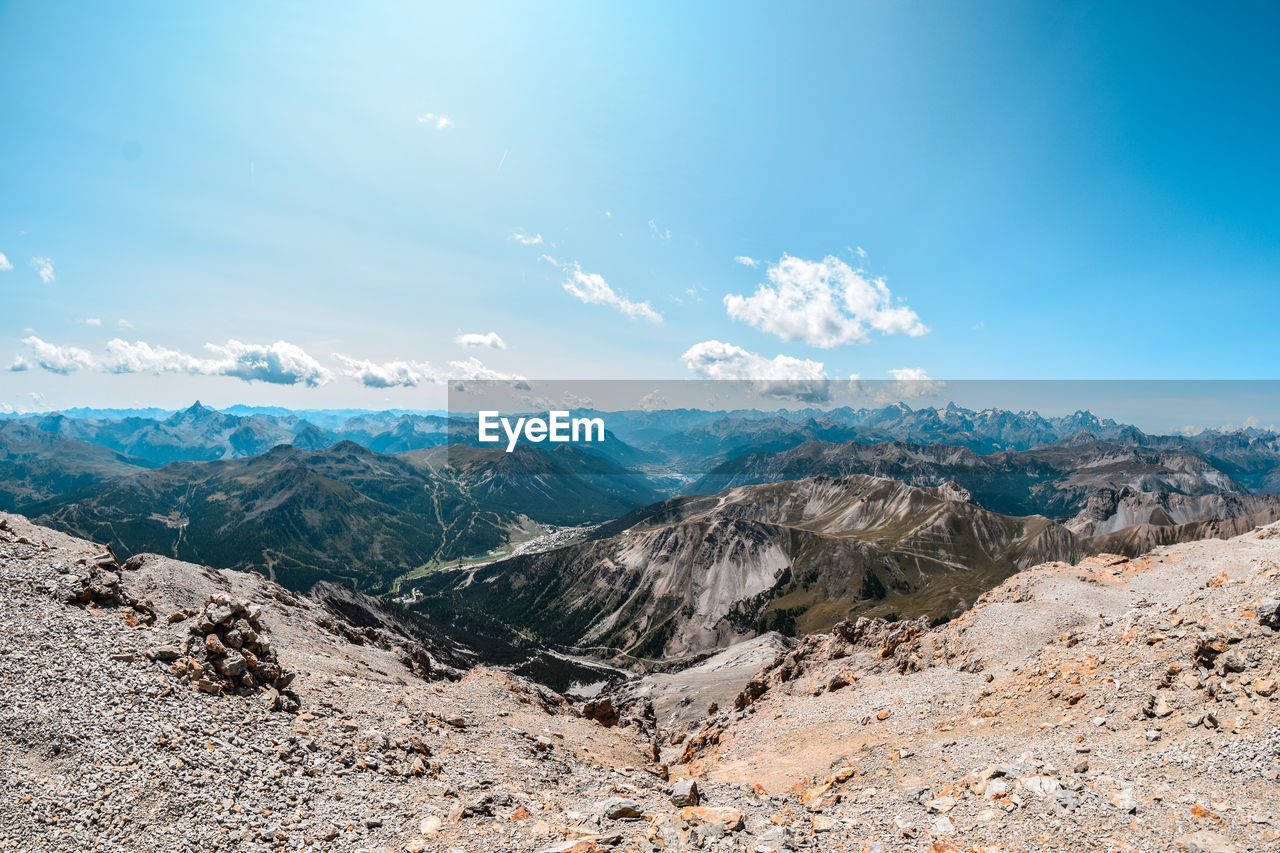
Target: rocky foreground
{"x": 1115, "y": 705}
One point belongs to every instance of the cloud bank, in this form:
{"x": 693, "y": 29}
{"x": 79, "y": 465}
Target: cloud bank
{"x": 280, "y": 363}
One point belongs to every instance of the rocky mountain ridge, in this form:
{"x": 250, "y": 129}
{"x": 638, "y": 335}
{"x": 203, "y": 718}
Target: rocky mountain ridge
{"x": 1093, "y": 486}
{"x": 692, "y": 574}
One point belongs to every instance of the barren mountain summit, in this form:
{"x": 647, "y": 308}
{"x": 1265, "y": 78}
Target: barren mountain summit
{"x": 1121, "y": 704}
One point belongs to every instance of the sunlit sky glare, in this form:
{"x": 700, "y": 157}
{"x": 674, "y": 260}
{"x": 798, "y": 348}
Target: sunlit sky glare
{"x": 336, "y": 204}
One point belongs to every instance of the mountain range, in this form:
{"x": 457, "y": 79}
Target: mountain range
{"x": 346, "y": 512}
{"x": 386, "y": 500}
{"x": 1095, "y": 486}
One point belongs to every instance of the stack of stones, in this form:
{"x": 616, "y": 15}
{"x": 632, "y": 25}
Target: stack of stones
{"x": 227, "y": 653}
{"x": 97, "y": 583}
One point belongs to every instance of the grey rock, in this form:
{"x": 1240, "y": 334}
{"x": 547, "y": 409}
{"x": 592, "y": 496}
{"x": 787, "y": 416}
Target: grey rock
{"x": 621, "y": 808}
{"x": 685, "y": 793}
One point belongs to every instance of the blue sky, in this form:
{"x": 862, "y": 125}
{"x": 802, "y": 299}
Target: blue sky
{"x": 968, "y": 190}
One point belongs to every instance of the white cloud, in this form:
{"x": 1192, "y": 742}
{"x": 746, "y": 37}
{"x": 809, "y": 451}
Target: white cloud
{"x": 911, "y": 383}
{"x": 476, "y": 339}
{"x": 93, "y": 321}
{"x": 908, "y": 374}
{"x": 592, "y": 288}
{"x": 747, "y": 261}
{"x": 5, "y": 265}
{"x": 608, "y": 213}
{"x": 391, "y": 374}
{"x": 862, "y": 253}
{"x": 562, "y": 400}
{"x": 440, "y": 120}
{"x": 653, "y": 401}
{"x": 823, "y": 303}
{"x": 409, "y": 374}
{"x": 141, "y": 357}
{"x": 474, "y": 368}
{"x": 44, "y": 266}
{"x": 664, "y": 233}
{"x": 20, "y": 365}
{"x": 780, "y": 376}
{"x": 525, "y": 239}
{"x": 281, "y": 363}
{"x": 124, "y": 324}
{"x": 52, "y": 357}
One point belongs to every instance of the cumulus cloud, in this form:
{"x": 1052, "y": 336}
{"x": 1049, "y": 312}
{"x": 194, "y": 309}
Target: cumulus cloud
{"x": 654, "y": 401}
{"x": 93, "y": 321}
{"x": 747, "y": 261}
{"x": 561, "y": 400}
{"x": 780, "y": 376}
{"x": 44, "y": 268}
{"x": 823, "y": 303}
{"x": 281, "y": 363}
{"x": 390, "y": 374}
{"x": 51, "y": 357}
{"x": 141, "y": 357}
{"x": 410, "y": 374}
{"x": 474, "y": 368}
{"x": 592, "y": 288}
{"x": 476, "y": 339}
{"x": 526, "y": 239}
{"x": 5, "y": 265}
{"x": 912, "y": 382}
{"x": 440, "y": 120}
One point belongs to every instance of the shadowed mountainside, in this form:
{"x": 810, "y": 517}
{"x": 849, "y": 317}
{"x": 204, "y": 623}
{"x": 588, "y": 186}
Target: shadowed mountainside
{"x": 690, "y": 574}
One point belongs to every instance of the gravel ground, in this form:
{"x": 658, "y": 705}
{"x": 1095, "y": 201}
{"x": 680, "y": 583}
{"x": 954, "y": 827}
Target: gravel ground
{"x": 1117, "y": 705}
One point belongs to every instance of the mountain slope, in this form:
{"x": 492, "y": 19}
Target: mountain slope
{"x": 695, "y": 573}
{"x": 38, "y": 466}
{"x": 344, "y": 513}
{"x": 1102, "y": 706}
{"x": 561, "y": 484}
{"x": 1100, "y": 486}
